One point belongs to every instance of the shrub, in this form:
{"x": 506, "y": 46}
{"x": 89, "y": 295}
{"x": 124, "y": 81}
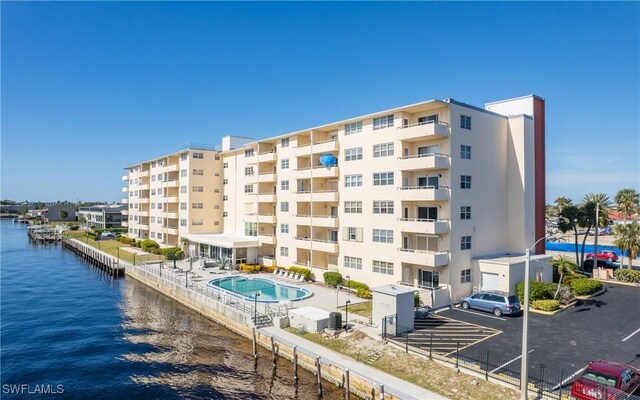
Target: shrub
{"x": 306, "y": 272}
{"x": 249, "y": 268}
{"x": 97, "y": 232}
{"x": 169, "y": 252}
{"x": 362, "y": 289}
{"x": 332, "y": 278}
{"x": 74, "y": 227}
{"x": 572, "y": 277}
{"x": 546, "y": 305}
{"x": 363, "y": 293}
{"x": 149, "y": 245}
{"x": 179, "y": 255}
{"x": 585, "y": 287}
{"x": 416, "y": 300}
{"x": 537, "y": 290}
{"x": 627, "y": 275}
{"x": 565, "y": 295}
{"x": 268, "y": 269}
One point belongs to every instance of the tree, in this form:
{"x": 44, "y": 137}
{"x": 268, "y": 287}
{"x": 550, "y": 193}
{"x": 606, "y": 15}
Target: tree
{"x": 592, "y": 204}
{"x": 627, "y": 238}
{"x": 562, "y": 202}
{"x": 564, "y": 266}
{"x": 628, "y": 201}
{"x": 64, "y": 214}
{"x": 568, "y": 221}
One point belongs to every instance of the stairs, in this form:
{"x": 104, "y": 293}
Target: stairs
{"x": 263, "y": 320}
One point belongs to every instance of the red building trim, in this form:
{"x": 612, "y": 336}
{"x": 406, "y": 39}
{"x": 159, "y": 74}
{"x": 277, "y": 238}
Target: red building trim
{"x": 539, "y": 168}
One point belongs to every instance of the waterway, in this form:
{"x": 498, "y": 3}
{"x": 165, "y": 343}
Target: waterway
{"x": 69, "y": 329}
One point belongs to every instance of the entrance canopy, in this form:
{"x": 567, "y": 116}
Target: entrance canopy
{"x": 226, "y": 240}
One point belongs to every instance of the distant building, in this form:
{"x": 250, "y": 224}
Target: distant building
{"x": 101, "y": 216}
{"x": 42, "y": 212}
{"x": 61, "y": 212}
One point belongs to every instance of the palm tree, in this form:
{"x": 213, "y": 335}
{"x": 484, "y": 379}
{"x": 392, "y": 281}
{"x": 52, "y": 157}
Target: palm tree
{"x": 568, "y": 221}
{"x": 628, "y": 201}
{"x": 564, "y": 266}
{"x": 562, "y": 202}
{"x": 628, "y": 239}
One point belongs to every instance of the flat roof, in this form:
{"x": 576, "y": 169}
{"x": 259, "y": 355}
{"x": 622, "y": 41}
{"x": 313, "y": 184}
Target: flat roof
{"x": 312, "y": 313}
{"x": 226, "y": 240}
{"x": 393, "y": 290}
{"x": 511, "y": 258}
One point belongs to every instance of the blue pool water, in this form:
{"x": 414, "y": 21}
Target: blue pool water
{"x": 270, "y": 291}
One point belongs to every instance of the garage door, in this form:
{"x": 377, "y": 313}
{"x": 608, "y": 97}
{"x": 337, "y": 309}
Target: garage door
{"x": 489, "y": 281}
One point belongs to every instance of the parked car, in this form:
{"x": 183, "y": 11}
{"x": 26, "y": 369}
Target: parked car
{"x": 495, "y": 302}
{"x": 587, "y": 265}
{"x": 604, "y": 380}
{"x": 605, "y": 255}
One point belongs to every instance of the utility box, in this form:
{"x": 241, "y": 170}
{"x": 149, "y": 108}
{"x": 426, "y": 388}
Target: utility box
{"x": 393, "y": 309}
{"x": 309, "y": 319}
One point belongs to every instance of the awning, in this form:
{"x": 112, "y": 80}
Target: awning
{"x": 226, "y": 240}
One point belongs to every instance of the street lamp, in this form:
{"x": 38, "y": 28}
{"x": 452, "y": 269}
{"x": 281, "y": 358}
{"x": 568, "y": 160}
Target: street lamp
{"x": 348, "y": 281}
{"x": 255, "y": 307}
{"x": 346, "y": 315}
{"x": 525, "y": 323}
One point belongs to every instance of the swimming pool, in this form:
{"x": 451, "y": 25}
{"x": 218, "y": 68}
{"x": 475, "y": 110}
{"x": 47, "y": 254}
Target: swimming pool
{"x": 270, "y": 291}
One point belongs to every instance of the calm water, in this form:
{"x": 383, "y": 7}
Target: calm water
{"x": 66, "y": 323}
{"x": 268, "y": 291}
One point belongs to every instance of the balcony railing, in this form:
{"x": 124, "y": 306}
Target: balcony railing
{"x": 423, "y": 130}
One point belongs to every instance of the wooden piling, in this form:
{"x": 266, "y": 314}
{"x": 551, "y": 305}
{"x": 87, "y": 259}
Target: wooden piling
{"x": 319, "y": 375}
{"x": 347, "y": 389}
{"x": 295, "y": 363}
{"x": 255, "y": 345}
{"x": 273, "y": 351}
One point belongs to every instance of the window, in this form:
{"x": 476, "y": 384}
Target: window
{"x": 354, "y": 127}
{"x": 183, "y": 222}
{"x": 465, "y": 276}
{"x": 196, "y": 222}
{"x": 352, "y": 262}
{"x": 225, "y": 181}
{"x": 383, "y": 207}
{"x": 353, "y": 207}
{"x": 248, "y": 171}
{"x": 352, "y": 180}
{"x": 383, "y": 178}
{"x": 184, "y": 157}
{"x": 383, "y": 122}
{"x": 159, "y": 177}
{"x": 465, "y": 122}
{"x": 465, "y": 243}
{"x": 284, "y": 163}
{"x": 428, "y": 119}
{"x": 382, "y": 150}
{"x": 152, "y": 235}
{"x": 383, "y": 267}
{"x": 284, "y": 228}
{"x": 249, "y": 153}
{"x": 284, "y": 185}
{"x": 198, "y": 189}
{"x": 251, "y": 228}
{"x": 284, "y": 251}
{"x": 352, "y": 234}
{"x": 183, "y": 172}
{"x": 183, "y": 189}
{"x": 153, "y": 179}
{"x": 196, "y": 205}
{"x": 465, "y": 212}
{"x": 153, "y": 192}
{"x": 225, "y": 165}
{"x": 284, "y": 206}
{"x": 216, "y": 190}
{"x": 198, "y": 172}
{"x": 225, "y": 198}
{"x": 248, "y": 188}
{"x": 465, "y": 152}
{"x": 183, "y": 206}
{"x": 198, "y": 155}
{"x": 153, "y": 220}
{"x": 216, "y": 223}
{"x": 284, "y": 142}
{"x": 353, "y": 154}
{"x": 159, "y": 206}
{"x": 225, "y": 214}
{"x": 216, "y": 174}
{"x": 465, "y": 182}
{"x": 382, "y": 236}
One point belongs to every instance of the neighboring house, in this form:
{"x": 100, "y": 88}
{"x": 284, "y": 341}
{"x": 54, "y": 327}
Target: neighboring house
{"x": 61, "y": 212}
{"x": 440, "y": 195}
{"x": 102, "y": 216}
{"x": 42, "y": 212}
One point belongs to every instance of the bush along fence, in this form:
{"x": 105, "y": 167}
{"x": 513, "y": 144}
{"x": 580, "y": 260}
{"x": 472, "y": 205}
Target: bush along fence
{"x": 544, "y": 380}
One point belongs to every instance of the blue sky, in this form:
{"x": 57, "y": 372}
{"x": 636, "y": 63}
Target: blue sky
{"x": 90, "y": 87}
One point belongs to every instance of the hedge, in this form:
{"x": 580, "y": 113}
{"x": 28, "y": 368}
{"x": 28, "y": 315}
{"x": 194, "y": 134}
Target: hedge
{"x": 537, "y": 290}
{"x": 584, "y": 287}
{"x": 306, "y": 272}
{"x": 149, "y": 245}
{"x": 362, "y": 289}
{"x": 74, "y": 227}
{"x": 249, "y": 268}
{"x": 627, "y": 275}
{"x": 269, "y": 269}
{"x": 568, "y": 279}
{"x": 546, "y": 305}
{"x": 171, "y": 252}
{"x": 332, "y": 278}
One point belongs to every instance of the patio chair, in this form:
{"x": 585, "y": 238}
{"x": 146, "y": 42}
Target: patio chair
{"x": 289, "y": 275}
{"x": 275, "y": 272}
{"x": 293, "y": 276}
{"x": 301, "y": 279}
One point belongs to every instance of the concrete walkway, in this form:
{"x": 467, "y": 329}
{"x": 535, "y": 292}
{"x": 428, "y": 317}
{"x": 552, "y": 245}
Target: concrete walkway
{"x": 392, "y": 385}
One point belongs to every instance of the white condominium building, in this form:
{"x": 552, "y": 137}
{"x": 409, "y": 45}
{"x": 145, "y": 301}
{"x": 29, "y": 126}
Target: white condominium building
{"x": 423, "y": 195}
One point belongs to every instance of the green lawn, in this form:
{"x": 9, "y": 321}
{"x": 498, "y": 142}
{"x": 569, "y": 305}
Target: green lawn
{"x": 363, "y": 309}
{"x": 111, "y": 247}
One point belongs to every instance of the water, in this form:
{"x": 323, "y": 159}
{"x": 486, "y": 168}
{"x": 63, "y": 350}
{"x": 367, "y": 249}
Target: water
{"x": 67, "y": 323}
{"x": 267, "y": 290}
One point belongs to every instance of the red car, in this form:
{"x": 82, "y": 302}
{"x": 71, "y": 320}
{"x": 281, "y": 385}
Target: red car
{"x": 605, "y": 255}
{"x": 604, "y": 380}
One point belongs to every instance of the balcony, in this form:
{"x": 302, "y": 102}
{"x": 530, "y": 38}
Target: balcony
{"x": 416, "y": 132}
{"x": 124, "y": 224}
{"x": 267, "y": 197}
{"x": 319, "y": 171}
{"x": 330, "y": 195}
{"x": 424, "y": 193}
{"x": 143, "y": 226}
{"x": 316, "y": 244}
{"x": 317, "y": 147}
{"x": 172, "y": 215}
{"x": 267, "y": 218}
{"x": 141, "y": 213}
{"x": 430, "y": 226}
{"x": 171, "y": 168}
{"x": 125, "y": 212}
{"x": 125, "y": 201}
{"x": 170, "y": 183}
{"x": 144, "y": 186}
{"x": 267, "y": 177}
{"x": 424, "y": 257}
{"x": 125, "y": 189}
{"x": 267, "y": 156}
{"x": 170, "y": 230}
{"x": 267, "y": 261}
{"x": 424, "y": 161}
{"x": 328, "y": 221}
{"x": 267, "y": 238}
{"x": 125, "y": 178}
{"x": 170, "y": 199}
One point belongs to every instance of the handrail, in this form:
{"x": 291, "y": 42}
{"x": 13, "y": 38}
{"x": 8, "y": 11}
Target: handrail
{"x": 420, "y": 251}
{"x": 267, "y": 152}
{"x": 314, "y": 216}
{"x": 422, "y": 220}
{"x": 422, "y": 187}
{"x": 424, "y": 123}
{"x": 423, "y": 155}
{"x": 266, "y": 173}
{"x": 307, "y": 239}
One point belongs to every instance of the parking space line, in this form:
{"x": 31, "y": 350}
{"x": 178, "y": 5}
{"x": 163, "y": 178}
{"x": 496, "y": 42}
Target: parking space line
{"x": 508, "y": 362}
{"x": 559, "y": 385}
{"x": 480, "y": 315}
{"x": 629, "y": 337}
{"x": 464, "y": 322}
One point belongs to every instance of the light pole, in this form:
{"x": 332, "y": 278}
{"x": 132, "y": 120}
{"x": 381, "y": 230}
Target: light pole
{"x": 346, "y": 315}
{"x": 348, "y": 281}
{"x": 525, "y": 323}
{"x": 255, "y": 308}
{"x": 595, "y": 239}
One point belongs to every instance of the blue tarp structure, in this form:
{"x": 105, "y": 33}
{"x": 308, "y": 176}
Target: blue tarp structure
{"x": 588, "y": 248}
{"x": 328, "y": 160}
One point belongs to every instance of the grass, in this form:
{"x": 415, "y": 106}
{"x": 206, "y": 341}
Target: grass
{"x": 420, "y": 371}
{"x": 111, "y": 247}
{"x": 364, "y": 309}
